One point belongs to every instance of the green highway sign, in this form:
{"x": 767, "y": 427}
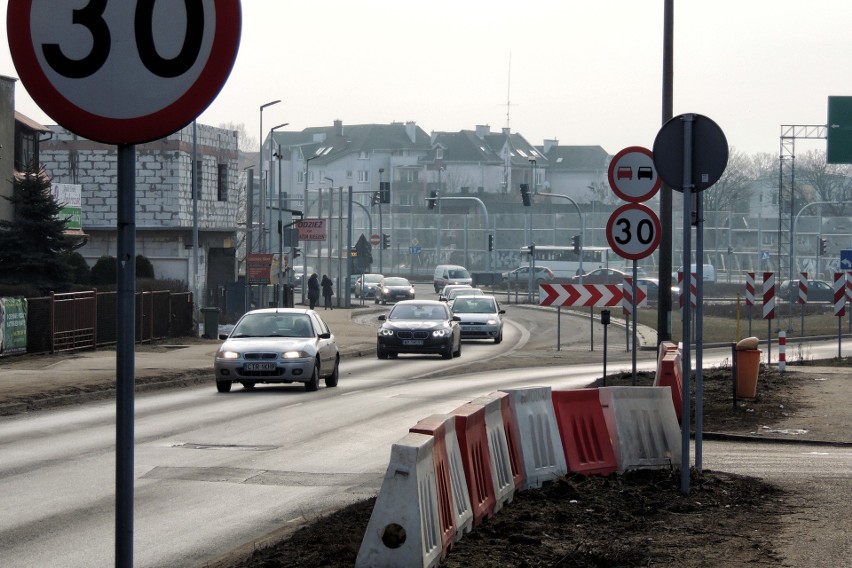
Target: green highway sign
{"x": 839, "y": 131}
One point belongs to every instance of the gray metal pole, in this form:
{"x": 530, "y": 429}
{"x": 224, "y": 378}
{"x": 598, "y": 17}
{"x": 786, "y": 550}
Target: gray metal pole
{"x": 125, "y": 356}
{"x": 195, "y": 289}
{"x": 688, "y": 120}
{"x": 349, "y": 251}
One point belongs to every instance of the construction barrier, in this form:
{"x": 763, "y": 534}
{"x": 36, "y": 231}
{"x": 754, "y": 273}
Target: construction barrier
{"x": 454, "y": 512}
{"x": 404, "y": 529}
{"x": 498, "y": 450}
{"x": 582, "y": 428}
{"x": 541, "y": 448}
{"x": 642, "y": 426}
{"x": 513, "y": 439}
{"x": 473, "y": 443}
{"x": 670, "y": 374}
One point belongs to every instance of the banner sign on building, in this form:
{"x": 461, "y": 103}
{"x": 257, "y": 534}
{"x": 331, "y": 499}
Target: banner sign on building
{"x": 70, "y": 197}
{"x": 13, "y": 326}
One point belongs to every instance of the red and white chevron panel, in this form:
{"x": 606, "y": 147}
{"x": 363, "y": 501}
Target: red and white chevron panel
{"x": 579, "y": 294}
{"x": 693, "y": 288}
{"x": 627, "y": 299}
{"x": 840, "y": 294}
{"x": 849, "y": 286}
{"x": 749, "y": 294}
{"x": 803, "y": 288}
{"x": 768, "y": 295}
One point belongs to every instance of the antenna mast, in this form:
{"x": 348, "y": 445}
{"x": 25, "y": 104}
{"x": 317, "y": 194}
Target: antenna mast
{"x": 509, "y": 94}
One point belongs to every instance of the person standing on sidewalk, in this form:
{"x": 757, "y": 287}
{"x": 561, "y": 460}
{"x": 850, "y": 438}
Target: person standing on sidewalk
{"x": 313, "y": 290}
{"x": 327, "y": 291}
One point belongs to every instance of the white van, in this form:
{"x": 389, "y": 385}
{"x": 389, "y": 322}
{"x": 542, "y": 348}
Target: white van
{"x": 709, "y": 273}
{"x": 450, "y": 274}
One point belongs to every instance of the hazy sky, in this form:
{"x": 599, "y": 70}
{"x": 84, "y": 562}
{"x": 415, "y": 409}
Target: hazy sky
{"x": 582, "y": 72}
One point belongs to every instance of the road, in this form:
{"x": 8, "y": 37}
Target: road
{"x": 215, "y": 472}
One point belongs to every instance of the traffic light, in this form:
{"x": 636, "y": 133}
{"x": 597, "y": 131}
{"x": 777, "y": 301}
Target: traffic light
{"x": 575, "y": 242}
{"x": 296, "y": 252}
{"x": 490, "y": 243}
{"x": 430, "y": 202}
{"x": 525, "y": 194}
{"x": 822, "y": 244}
{"x": 385, "y": 241}
{"x": 531, "y": 249}
{"x": 384, "y": 192}
{"x": 375, "y": 199}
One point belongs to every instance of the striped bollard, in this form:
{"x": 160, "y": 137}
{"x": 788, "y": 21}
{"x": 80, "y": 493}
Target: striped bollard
{"x": 769, "y": 309}
{"x": 782, "y": 350}
{"x": 749, "y": 296}
{"x": 839, "y": 305}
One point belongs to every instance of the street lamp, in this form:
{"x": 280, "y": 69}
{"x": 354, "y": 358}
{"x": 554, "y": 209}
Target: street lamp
{"x": 262, "y": 188}
{"x": 381, "y": 228}
{"x": 305, "y": 207}
{"x": 270, "y": 185}
{"x": 280, "y": 220}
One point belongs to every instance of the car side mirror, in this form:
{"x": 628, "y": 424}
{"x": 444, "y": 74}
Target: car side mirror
{"x": 501, "y": 312}
{"x": 325, "y": 335}
{"x": 223, "y": 336}
{"x": 383, "y": 317}
{"x": 442, "y": 299}
{"x": 455, "y": 318}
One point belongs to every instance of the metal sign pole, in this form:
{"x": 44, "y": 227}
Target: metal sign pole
{"x": 686, "y": 312}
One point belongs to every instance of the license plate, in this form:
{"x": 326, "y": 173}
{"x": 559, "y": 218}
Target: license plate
{"x": 469, "y": 328}
{"x": 260, "y": 366}
{"x": 412, "y": 342}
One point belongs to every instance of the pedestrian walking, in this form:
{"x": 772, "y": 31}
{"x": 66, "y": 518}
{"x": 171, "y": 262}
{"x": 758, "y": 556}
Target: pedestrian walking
{"x": 313, "y": 290}
{"x": 327, "y": 291}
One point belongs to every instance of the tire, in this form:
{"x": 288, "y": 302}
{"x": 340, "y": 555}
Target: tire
{"x": 376, "y": 299}
{"x": 247, "y": 385}
{"x": 457, "y": 353}
{"x": 331, "y": 380}
{"x": 223, "y": 386}
{"x": 447, "y": 353}
{"x": 499, "y": 337}
{"x": 313, "y": 384}
{"x": 381, "y": 352}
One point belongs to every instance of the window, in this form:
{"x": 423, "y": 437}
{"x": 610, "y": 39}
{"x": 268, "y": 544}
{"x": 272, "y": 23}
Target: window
{"x": 222, "y": 182}
{"x": 363, "y": 176}
{"x": 410, "y": 176}
{"x": 198, "y": 177}
{"x": 348, "y": 174}
{"x": 26, "y": 150}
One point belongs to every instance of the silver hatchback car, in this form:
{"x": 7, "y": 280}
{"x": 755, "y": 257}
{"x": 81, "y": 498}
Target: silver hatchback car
{"x": 278, "y": 345}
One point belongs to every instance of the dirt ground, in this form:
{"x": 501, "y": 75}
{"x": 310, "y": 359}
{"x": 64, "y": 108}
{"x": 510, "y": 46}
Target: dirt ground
{"x": 640, "y": 518}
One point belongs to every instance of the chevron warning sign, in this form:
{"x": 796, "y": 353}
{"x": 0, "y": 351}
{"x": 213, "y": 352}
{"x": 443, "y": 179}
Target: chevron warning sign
{"x": 580, "y": 294}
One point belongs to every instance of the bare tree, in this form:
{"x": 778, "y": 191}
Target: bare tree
{"x": 602, "y": 192}
{"x": 734, "y": 187}
{"x": 246, "y": 142}
{"x": 821, "y": 181}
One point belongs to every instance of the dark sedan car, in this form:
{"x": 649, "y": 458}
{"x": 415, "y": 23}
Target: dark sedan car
{"x": 393, "y": 289}
{"x": 419, "y": 326}
{"x": 818, "y": 291}
{"x": 602, "y": 276}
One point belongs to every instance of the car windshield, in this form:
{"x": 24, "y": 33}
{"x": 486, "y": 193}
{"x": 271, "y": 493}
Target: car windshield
{"x": 418, "y": 312}
{"x": 458, "y": 273}
{"x": 273, "y": 325}
{"x": 471, "y": 305}
{"x": 396, "y": 282}
{"x": 466, "y": 291}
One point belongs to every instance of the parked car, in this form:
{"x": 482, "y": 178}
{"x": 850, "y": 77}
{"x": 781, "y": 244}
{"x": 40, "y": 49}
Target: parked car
{"x": 602, "y": 276}
{"x": 419, "y": 326}
{"x": 521, "y": 276}
{"x": 278, "y": 345}
{"x": 299, "y": 274}
{"x": 442, "y": 295}
{"x": 709, "y": 272}
{"x": 481, "y": 317}
{"x": 393, "y": 289}
{"x": 652, "y": 288}
{"x": 365, "y": 285}
{"x": 818, "y": 291}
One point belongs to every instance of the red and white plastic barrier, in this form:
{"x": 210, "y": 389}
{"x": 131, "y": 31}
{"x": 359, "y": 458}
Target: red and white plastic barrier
{"x": 498, "y": 449}
{"x": 473, "y": 443}
{"x": 403, "y": 529}
{"x": 541, "y": 447}
{"x": 582, "y": 429}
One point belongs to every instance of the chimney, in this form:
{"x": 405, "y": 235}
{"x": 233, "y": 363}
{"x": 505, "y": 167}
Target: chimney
{"x": 507, "y": 131}
{"x": 482, "y": 130}
{"x": 548, "y": 144}
{"x": 411, "y": 130}
{"x": 338, "y": 128}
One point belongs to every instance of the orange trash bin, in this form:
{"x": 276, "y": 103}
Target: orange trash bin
{"x": 748, "y": 367}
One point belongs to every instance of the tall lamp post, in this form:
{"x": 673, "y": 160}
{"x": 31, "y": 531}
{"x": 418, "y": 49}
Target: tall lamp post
{"x": 263, "y": 192}
{"x": 305, "y": 252}
{"x": 280, "y": 219}
{"x": 381, "y": 228}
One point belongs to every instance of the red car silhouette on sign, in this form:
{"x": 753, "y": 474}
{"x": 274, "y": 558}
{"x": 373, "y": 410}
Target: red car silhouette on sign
{"x": 624, "y": 172}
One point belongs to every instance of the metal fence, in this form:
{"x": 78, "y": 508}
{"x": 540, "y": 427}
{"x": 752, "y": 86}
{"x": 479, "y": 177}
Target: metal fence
{"x": 86, "y": 320}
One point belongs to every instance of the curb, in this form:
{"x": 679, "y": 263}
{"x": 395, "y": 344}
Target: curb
{"x": 744, "y": 438}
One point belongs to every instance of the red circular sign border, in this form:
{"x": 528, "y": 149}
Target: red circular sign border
{"x": 657, "y": 231}
{"x": 612, "y": 181}
{"x": 137, "y": 130}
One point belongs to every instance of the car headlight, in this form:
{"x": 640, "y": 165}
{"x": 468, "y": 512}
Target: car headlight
{"x": 441, "y": 332}
{"x": 227, "y": 355}
{"x": 492, "y": 321}
{"x": 295, "y": 355}
{"x": 386, "y": 332}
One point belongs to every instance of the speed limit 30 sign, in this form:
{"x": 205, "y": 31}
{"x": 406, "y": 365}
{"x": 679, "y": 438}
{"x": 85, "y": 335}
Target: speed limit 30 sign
{"x": 633, "y": 231}
{"x": 123, "y": 72}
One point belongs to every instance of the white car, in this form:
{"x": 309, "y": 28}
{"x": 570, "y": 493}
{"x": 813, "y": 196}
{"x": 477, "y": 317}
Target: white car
{"x": 481, "y": 317}
{"x": 278, "y": 345}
